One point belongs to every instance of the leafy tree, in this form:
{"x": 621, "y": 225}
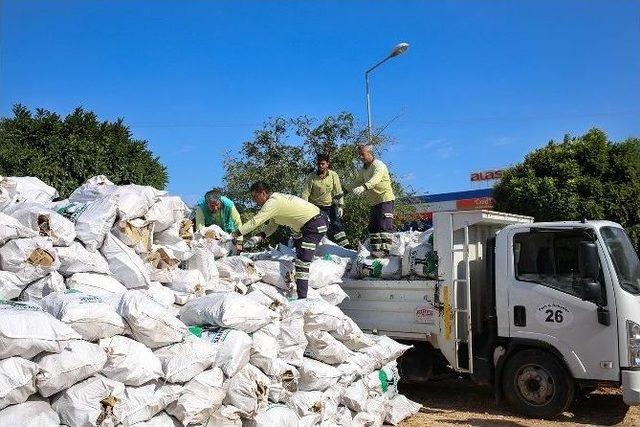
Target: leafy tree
{"x": 64, "y": 152}
{"x": 283, "y": 153}
{"x": 582, "y": 177}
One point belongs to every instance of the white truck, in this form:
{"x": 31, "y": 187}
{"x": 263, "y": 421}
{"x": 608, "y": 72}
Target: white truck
{"x": 537, "y": 310}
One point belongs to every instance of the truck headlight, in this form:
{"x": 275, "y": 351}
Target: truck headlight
{"x": 633, "y": 342}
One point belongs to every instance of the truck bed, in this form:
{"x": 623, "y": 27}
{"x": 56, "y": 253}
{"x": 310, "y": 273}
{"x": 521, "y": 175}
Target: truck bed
{"x": 401, "y": 309}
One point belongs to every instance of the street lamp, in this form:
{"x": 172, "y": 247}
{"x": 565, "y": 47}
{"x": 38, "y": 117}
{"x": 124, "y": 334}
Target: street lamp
{"x": 398, "y": 49}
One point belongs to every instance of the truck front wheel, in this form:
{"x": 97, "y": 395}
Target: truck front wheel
{"x": 536, "y": 384}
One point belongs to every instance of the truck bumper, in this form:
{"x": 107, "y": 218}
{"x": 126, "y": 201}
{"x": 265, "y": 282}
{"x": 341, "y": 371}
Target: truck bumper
{"x": 631, "y": 387}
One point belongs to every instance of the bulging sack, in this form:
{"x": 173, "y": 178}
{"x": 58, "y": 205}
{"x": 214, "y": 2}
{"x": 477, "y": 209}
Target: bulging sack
{"x": 292, "y": 340}
{"x": 11, "y": 228}
{"x": 30, "y": 259}
{"x": 227, "y": 310}
{"x": 135, "y": 233}
{"x": 89, "y": 402}
{"x": 317, "y": 376}
{"x": 17, "y": 380}
{"x": 275, "y": 415}
{"x": 203, "y": 260}
{"x": 88, "y": 315}
{"x": 326, "y": 271}
{"x": 92, "y": 219}
{"x": 46, "y": 223}
{"x": 248, "y": 391}
{"x": 95, "y": 284}
{"x": 325, "y": 348}
{"x": 233, "y": 349}
{"x": 125, "y": 264}
{"x": 76, "y": 259}
{"x": 166, "y": 211}
{"x": 35, "y": 291}
{"x": 10, "y": 285}
{"x": 184, "y": 360}
{"x": 199, "y": 398}
{"x": 59, "y": 371}
{"x": 129, "y": 361}
{"x": 26, "y": 330}
{"x": 96, "y": 187}
{"x": 277, "y": 273}
{"x": 24, "y": 189}
{"x": 143, "y": 402}
{"x": 135, "y": 200}
{"x": 150, "y": 323}
{"x": 239, "y": 267}
{"x": 401, "y": 408}
{"x": 32, "y": 413}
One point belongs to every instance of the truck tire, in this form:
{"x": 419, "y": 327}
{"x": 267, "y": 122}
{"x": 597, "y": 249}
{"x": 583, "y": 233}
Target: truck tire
{"x": 536, "y": 384}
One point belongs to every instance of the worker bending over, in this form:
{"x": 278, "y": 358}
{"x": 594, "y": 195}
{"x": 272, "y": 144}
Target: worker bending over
{"x": 214, "y": 208}
{"x": 321, "y": 189}
{"x": 374, "y": 182}
{"x": 304, "y": 219}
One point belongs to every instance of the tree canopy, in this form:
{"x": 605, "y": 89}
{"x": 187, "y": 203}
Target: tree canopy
{"x": 64, "y": 152}
{"x": 283, "y": 153}
{"x": 584, "y": 177}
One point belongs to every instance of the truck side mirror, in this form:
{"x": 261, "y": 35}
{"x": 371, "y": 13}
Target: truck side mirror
{"x": 588, "y": 261}
{"x": 592, "y": 292}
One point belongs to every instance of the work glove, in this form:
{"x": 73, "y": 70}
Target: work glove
{"x": 358, "y": 190}
{"x": 252, "y": 242}
{"x": 339, "y": 211}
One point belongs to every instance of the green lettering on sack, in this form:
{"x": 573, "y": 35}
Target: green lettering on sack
{"x": 384, "y": 380}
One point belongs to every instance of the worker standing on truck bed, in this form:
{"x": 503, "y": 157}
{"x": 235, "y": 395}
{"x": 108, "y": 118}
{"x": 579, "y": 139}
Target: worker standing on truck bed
{"x": 374, "y": 182}
{"x": 304, "y": 219}
{"x": 214, "y": 208}
{"x": 321, "y": 189}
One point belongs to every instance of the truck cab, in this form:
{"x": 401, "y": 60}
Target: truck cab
{"x": 538, "y": 310}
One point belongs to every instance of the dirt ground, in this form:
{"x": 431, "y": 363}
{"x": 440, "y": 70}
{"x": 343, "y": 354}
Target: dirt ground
{"x": 454, "y": 401}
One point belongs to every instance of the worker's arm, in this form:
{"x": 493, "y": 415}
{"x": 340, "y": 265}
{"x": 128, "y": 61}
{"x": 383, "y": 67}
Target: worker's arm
{"x": 307, "y": 190}
{"x": 267, "y": 212}
{"x": 237, "y": 221}
{"x": 337, "y": 189}
{"x": 378, "y": 174}
{"x": 270, "y": 228}
{"x": 199, "y": 219}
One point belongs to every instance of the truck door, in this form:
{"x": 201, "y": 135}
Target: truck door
{"x": 545, "y": 302}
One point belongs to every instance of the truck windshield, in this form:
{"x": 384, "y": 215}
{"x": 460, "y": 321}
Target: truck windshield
{"x": 625, "y": 258}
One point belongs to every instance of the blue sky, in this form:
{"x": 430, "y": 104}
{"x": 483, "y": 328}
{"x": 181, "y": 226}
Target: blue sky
{"x": 482, "y": 84}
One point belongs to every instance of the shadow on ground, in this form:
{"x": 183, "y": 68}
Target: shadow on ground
{"x": 445, "y": 398}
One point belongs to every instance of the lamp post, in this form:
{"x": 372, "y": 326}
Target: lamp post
{"x": 398, "y": 49}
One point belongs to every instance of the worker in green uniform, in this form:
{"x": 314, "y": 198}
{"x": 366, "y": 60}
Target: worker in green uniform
{"x": 324, "y": 190}
{"x": 373, "y": 181}
{"x": 305, "y": 220}
{"x": 214, "y": 208}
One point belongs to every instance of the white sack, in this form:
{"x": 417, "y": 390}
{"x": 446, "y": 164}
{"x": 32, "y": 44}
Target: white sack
{"x": 166, "y": 211}
{"x": 177, "y": 239}
{"x": 233, "y": 349}
{"x": 317, "y": 376}
{"x": 325, "y": 348}
{"x": 239, "y": 267}
{"x": 308, "y": 404}
{"x": 227, "y": 310}
{"x": 143, "y": 402}
{"x": 88, "y": 315}
{"x": 355, "y": 396}
{"x": 11, "y": 228}
{"x": 26, "y": 330}
{"x": 421, "y": 260}
{"x": 248, "y": 391}
{"x": 59, "y": 371}
{"x": 325, "y": 272}
{"x": 160, "y": 294}
{"x": 333, "y": 294}
{"x": 187, "y": 284}
{"x": 292, "y": 340}
{"x": 199, "y": 398}
{"x": 82, "y": 403}
{"x": 21, "y": 189}
{"x": 129, "y": 361}
{"x": 385, "y": 350}
{"x": 135, "y": 233}
{"x": 92, "y": 219}
{"x": 378, "y": 268}
{"x": 264, "y": 350}
{"x": 30, "y": 258}
{"x": 160, "y": 420}
{"x": 277, "y": 273}
{"x": 46, "y": 223}
{"x": 124, "y": 264}
{"x": 400, "y": 408}
{"x": 226, "y": 416}
{"x": 95, "y": 284}
{"x": 94, "y": 188}
{"x": 320, "y": 315}
{"x": 17, "y": 380}
{"x": 203, "y": 260}
{"x": 375, "y": 414}
{"x": 275, "y": 415}
{"x": 10, "y": 285}
{"x": 135, "y": 200}
{"x": 150, "y": 323}
{"x": 76, "y": 259}
{"x": 327, "y": 247}
{"x": 184, "y": 360}
{"x": 35, "y": 291}
{"x": 32, "y": 413}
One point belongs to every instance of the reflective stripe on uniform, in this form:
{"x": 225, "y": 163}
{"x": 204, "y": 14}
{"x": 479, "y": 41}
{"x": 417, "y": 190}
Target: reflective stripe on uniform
{"x": 302, "y": 265}
{"x": 301, "y": 275}
{"x": 322, "y": 229}
{"x": 309, "y": 246}
{"x": 339, "y": 236}
{"x": 388, "y": 214}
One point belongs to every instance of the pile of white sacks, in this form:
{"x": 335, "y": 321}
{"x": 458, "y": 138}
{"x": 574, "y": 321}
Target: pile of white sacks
{"x": 113, "y": 312}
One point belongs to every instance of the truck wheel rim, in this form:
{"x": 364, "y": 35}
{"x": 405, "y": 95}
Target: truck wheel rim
{"x": 535, "y": 385}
